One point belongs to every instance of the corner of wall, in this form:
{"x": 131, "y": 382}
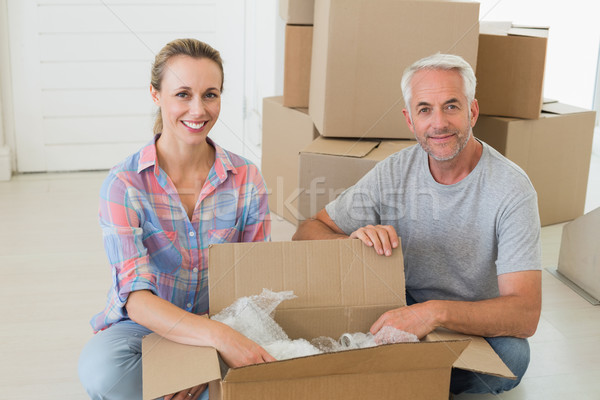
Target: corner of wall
{"x": 5, "y": 163}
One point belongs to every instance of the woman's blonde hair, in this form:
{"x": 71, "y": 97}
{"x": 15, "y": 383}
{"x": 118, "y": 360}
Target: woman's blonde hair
{"x": 180, "y": 47}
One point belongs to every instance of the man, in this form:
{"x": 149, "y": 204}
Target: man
{"x": 467, "y": 218}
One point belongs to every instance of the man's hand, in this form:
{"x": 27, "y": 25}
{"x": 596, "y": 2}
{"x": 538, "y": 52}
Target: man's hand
{"x": 418, "y": 319}
{"x": 381, "y": 237}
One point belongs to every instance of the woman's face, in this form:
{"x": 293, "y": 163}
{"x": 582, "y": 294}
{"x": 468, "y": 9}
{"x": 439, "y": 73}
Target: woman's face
{"x": 190, "y": 98}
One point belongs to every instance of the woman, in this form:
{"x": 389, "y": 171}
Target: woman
{"x": 159, "y": 211}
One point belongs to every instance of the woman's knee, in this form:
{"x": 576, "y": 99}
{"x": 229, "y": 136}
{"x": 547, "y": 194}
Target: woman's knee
{"x": 110, "y": 365}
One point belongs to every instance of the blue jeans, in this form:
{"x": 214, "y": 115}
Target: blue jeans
{"x": 513, "y": 351}
{"x": 110, "y": 364}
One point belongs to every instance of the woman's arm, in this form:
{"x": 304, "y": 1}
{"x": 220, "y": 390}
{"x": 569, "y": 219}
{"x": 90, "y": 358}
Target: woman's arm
{"x": 133, "y": 294}
{"x": 173, "y": 323}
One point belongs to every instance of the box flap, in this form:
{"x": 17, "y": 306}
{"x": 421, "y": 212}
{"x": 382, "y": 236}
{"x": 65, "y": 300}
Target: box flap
{"x": 494, "y": 27}
{"x": 529, "y": 32}
{"x": 342, "y": 147}
{"x": 357, "y": 148}
{"x": 504, "y": 28}
{"x": 561, "y": 108}
{"x": 548, "y": 100}
{"x": 477, "y": 357}
{"x": 169, "y": 367}
{"x": 381, "y": 359}
{"x": 360, "y": 277}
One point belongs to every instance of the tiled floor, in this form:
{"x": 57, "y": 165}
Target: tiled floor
{"x": 54, "y": 276}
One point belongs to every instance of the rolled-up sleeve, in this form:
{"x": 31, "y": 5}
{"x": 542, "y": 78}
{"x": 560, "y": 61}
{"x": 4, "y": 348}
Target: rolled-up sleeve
{"x": 128, "y": 257}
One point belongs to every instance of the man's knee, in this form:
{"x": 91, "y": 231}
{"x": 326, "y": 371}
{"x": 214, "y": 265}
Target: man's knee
{"x": 515, "y": 354}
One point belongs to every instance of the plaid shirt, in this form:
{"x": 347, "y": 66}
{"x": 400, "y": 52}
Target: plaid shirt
{"x": 151, "y": 243}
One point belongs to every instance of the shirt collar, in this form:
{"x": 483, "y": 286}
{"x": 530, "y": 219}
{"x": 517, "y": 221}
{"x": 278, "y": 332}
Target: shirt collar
{"x": 148, "y": 156}
{"x": 222, "y": 165}
{"x": 223, "y": 162}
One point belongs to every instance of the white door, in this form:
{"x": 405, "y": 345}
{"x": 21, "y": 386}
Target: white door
{"x": 81, "y": 73}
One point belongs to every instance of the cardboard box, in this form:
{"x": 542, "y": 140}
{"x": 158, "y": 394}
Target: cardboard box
{"x": 554, "y": 151}
{"x": 330, "y": 166}
{"x": 360, "y": 50}
{"x": 296, "y": 72}
{"x": 579, "y": 257}
{"x": 342, "y": 286}
{"x": 285, "y": 131}
{"x": 298, "y": 12}
{"x": 510, "y": 69}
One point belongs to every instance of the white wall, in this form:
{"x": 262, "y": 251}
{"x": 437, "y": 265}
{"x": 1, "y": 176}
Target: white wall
{"x": 574, "y": 39}
{"x": 264, "y": 67}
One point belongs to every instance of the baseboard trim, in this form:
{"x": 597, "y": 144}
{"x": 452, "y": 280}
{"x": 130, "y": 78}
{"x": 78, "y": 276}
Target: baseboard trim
{"x": 576, "y": 288}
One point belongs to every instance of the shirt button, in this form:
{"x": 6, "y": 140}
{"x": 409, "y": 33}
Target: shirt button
{"x": 195, "y": 270}
{"x": 189, "y": 305}
{"x": 192, "y": 233}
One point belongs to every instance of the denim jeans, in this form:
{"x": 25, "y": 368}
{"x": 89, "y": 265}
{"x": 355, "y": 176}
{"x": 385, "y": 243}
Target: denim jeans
{"x": 513, "y": 351}
{"x": 515, "y": 354}
{"x": 110, "y": 364}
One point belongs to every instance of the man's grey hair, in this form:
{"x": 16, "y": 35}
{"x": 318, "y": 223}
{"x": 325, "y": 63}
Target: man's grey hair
{"x": 436, "y": 62}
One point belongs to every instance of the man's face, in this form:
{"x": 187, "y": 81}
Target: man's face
{"x": 441, "y": 117}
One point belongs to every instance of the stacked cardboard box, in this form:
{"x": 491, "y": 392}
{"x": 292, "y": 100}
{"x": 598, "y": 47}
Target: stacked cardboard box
{"x": 550, "y": 141}
{"x": 329, "y": 166}
{"x": 298, "y": 15}
{"x": 286, "y": 131}
{"x": 510, "y": 69}
{"x": 360, "y": 50}
{"x": 553, "y": 150}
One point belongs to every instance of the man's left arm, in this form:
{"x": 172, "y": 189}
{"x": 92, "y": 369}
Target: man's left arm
{"x": 515, "y": 312}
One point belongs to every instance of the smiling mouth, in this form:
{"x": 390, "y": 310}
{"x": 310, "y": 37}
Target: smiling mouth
{"x": 194, "y": 125}
{"x": 440, "y": 137}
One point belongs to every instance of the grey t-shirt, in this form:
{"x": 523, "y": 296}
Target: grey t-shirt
{"x": 455, "y": 238}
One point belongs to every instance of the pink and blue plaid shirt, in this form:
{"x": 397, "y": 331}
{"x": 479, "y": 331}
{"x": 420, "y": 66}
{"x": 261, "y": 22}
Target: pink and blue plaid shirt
{"x": 151, "y": 243}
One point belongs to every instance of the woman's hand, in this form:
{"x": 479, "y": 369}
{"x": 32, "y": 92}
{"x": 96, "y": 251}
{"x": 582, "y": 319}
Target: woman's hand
{"x": 188, "y": 394}
{"x": 236, "y": 349}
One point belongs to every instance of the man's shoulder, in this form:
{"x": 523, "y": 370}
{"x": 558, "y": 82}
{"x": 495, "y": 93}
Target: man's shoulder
{"x": 501, "y": 169}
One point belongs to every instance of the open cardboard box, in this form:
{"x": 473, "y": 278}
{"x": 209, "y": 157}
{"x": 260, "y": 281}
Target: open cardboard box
{"x": 342, "y": 286}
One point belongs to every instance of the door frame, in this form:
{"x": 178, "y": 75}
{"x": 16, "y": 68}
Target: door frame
{"x": 7, "y": 122}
